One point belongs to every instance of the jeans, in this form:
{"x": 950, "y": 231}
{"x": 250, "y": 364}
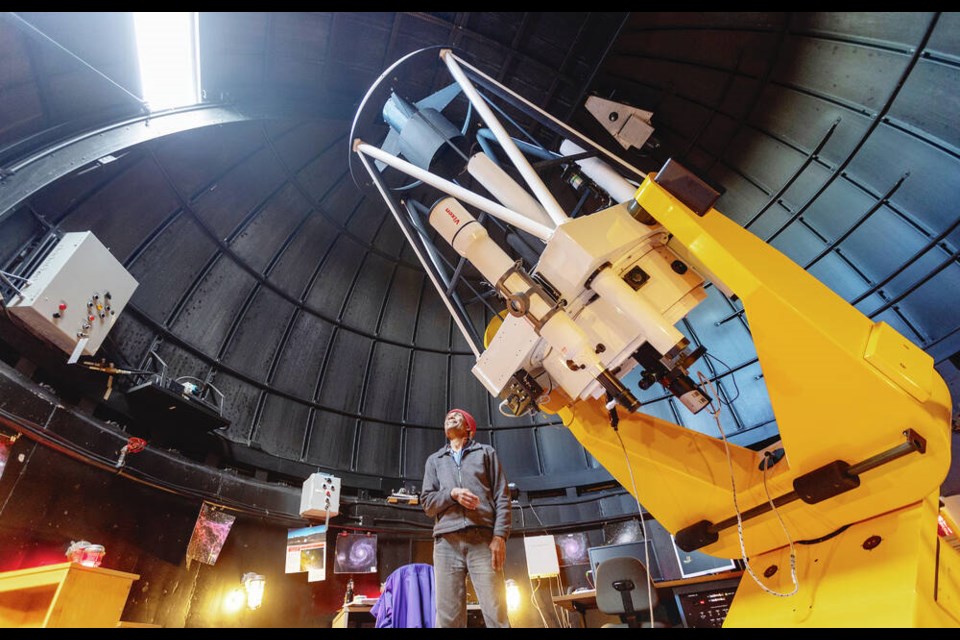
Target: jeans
{"x": 454, "y": 556}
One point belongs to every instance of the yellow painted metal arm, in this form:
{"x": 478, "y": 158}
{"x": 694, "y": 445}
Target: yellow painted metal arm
{"x": 842, "y": 387}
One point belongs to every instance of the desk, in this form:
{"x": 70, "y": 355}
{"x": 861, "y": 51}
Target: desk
{"x": 584, "y": 601}
{"x": 354, "y": 616}
{"x": 63, "y": 595}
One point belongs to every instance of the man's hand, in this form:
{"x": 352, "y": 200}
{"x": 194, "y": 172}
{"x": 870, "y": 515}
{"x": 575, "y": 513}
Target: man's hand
{"x": 498, "y": 552}
{"x": 468, "y": 499}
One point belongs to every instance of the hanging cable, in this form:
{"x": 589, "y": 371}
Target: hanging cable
{"x": 615, "y": 423}
{"x": 5, "y": 279}
{"x": 533, "y": 590}
{"x": 561, "y": 619}
{"x": 13, "y": 275}
{"x": 732, "y": 377}
{"x": 533, "y": 601}
{"x": 506, "y": 412}
{"x": 736, "y": 507}
{"x": 542, "y": 526}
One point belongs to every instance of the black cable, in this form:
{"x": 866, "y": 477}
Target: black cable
{"x": 612, "y": 410}
{"x": 826, "y": 537}
{"x": 38, "y": 434}
{"x": 732, "y": 377}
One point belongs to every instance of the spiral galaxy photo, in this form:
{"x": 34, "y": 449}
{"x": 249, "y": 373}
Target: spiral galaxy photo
{"x": 356, "y": 553}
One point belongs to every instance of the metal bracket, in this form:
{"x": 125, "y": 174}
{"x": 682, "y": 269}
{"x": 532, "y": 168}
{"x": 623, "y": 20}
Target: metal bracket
{"x": 815, "y": 486}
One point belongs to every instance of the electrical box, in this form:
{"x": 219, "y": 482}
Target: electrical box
{"x": 542, "y": 561}
{"x": 74, "y": 296}
{"x": 509, "y": 351}
{"x": 321, "y": 496}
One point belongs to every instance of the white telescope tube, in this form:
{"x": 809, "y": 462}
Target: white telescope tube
{"x": 495, "y": 209}
{"x": 530, "y": 176}
{"x": 470, "y": 239}
{"x": 506, "y": 190}
{"x": 601, "y": 173}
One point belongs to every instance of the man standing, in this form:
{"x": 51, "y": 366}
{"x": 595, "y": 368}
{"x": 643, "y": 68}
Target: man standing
{"x": 465, "y": 491}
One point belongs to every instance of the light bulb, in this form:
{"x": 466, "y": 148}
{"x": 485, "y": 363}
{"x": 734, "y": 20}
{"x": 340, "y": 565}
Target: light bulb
{"x": 513, "y": 595}
{"x": 253, "y": 584}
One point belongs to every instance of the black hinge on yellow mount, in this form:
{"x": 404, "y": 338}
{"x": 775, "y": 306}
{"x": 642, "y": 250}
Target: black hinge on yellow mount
{"x": 686, "y": 187}
{"x": 828, "y": 481}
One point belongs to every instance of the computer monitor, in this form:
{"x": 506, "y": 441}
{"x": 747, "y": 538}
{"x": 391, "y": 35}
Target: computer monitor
{"x": 627, "y": 549}
{"x": 697, "y": 563}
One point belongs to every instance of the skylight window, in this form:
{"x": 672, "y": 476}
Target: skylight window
{"x": 169, "y": 62}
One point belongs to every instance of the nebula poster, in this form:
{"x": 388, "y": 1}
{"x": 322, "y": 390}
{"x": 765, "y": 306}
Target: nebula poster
{"x": 209, "y": 534}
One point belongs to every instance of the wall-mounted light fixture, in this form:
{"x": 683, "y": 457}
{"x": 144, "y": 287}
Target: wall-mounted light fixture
{"x": 253, "y": 584}
{"x": 86, "y": 553}
{"x": 513, "y": 595}
{"x": 234, "y": 601}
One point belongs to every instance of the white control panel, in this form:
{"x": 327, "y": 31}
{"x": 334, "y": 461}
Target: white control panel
{"x": 75, "y": 295}
{"x": 542, "y": 560}
{"x": 321, "y": 496}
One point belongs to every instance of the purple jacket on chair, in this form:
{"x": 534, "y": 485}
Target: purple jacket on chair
{"x": 407, "y": 601}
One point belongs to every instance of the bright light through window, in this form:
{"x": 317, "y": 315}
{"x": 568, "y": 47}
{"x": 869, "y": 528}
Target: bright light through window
{"x": 167, "y": 48}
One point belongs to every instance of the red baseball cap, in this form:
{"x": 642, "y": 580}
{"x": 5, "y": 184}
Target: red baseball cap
{"x": 467, "y": 418}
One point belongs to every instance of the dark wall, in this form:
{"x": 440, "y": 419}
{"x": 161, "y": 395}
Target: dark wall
{"x": 48, "y": 500}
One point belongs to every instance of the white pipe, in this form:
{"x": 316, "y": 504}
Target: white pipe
{"x": 572, "y": 343}
{"x": 441, "y": 290}
{"x": 612, "y": 288}
{"x": 493, "y": 208}
{"x": 601, "y": 173}
{"x": 549, "y": 117}
{"x": 471, "y": 240}
{"x": 505, "y": 189}
{"x": 533, "y": 180}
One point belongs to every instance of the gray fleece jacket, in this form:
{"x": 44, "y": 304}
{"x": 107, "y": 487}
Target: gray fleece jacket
{"x": 480, "y": 472}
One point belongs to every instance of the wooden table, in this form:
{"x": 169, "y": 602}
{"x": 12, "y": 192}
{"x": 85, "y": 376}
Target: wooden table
{"x": 583, "y": 601}
{"x": 63, "y": 595}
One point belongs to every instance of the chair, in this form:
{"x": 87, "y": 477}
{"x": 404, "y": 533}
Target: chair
{"x": 622, "y": 591}
{"x": 407, "y": 600}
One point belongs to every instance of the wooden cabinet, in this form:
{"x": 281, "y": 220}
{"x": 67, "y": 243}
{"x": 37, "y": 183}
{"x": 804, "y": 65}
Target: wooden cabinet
{"x": 63, "y": 595}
